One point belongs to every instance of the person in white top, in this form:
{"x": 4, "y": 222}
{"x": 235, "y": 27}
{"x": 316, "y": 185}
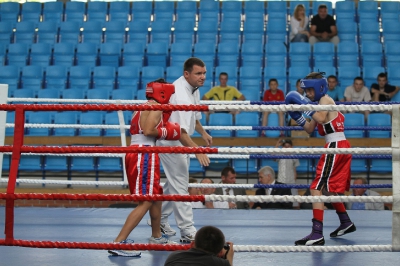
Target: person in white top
{"x": 176, "y": 166}
{"x": 358, "y": 92}
{"x": 299, "y": 25}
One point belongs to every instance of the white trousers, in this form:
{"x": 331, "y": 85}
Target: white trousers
{"x": 176, "y": 168}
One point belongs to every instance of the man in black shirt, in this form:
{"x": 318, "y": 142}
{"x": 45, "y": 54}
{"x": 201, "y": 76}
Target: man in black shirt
{"x": 323, "y": 27}
{"x": 383, "y": 91}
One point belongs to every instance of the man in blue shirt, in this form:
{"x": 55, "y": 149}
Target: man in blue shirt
{"x": 334, "y": 91}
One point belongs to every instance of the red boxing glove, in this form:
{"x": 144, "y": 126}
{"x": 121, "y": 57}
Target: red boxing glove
{"x": 171, "y": 131}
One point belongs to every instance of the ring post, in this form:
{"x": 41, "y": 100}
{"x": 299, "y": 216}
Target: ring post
{"x": 396, "y": 178}
{"x": 3, "y": 115}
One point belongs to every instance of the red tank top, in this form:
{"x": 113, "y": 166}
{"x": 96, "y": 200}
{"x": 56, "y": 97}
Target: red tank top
{"x": 335, "y": 125}
{"x": 135, "y": 123}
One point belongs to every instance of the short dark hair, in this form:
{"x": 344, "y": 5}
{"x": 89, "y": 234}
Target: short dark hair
{"x": 223, "y": 74}
{"x": 192, "y": 180}
{"x": 297, "y": 81}
{"x": 270, "y": 80}
{"x": 212, "y": 181}
{"x": 382, "y": 75}
{"x": 228, "y": 170}
{"x": 210, "y": 239}
{"x": 192, "y": 61}
{"x": 359, "y": 78}
{"x": 322, "y": 6}
{"x": 332, "y": 77}
{"x": 314, "y": 75}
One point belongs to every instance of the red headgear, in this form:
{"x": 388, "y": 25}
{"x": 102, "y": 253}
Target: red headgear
{"x": 161, "y": 92}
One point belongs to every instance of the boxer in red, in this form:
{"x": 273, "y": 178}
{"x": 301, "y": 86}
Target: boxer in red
{"x": 143, "y": 169}
{"x": 333, "y": 172}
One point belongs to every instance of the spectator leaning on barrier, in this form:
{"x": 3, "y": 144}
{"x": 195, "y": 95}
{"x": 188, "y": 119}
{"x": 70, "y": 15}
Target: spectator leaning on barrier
{"x": 383, "y": 91}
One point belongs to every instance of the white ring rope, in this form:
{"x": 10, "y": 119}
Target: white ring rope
{"x": 341, "y": 248}
{"x": 293, "y": 151}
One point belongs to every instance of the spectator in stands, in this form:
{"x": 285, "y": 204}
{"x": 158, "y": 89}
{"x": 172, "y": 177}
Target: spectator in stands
{"x": 270, "y": 95}
{"x": 223, "y": 92}
{"x": 194, "y": 191}
{"x": 323, "y": 27}
{"x": 299, "y": 25}
{"x": 228, "y": 176}
{"x": 211, "y": 191}
{"x": 266, "y": 176}
{"x": 287, "y": 173}
{"x": 364, "y": 192}
{"x": 358, "y": 93}
{"x": 208, "y": 248}
{"x": 333, "y": 90}
{"x": 383, "y": 91}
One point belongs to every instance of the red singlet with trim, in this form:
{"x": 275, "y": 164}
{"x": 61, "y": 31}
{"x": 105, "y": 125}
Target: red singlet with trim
{"x": 333, "y": 170}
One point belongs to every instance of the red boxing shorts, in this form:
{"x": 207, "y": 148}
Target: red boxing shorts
{"x": 333, "y": 170}
{"x": 143, "y": 172}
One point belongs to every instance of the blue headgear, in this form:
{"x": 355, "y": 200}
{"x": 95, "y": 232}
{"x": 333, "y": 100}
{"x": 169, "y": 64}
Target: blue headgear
{"x": 320, "y": 86}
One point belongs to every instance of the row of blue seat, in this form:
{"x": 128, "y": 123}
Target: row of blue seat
{"x": 114, "y": 164}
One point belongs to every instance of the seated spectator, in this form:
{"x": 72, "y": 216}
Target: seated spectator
{"x": 194, "y": 191}
{"x": 323, "y": 27}
{"x": 266, "y": 176}
{"x": 211, "y": 191}
{"x": 333, "y": 90}
{"x": 298, "y": 88}
{"x": 358, "y": 93}
{"x": 287, "y": 173}
{"x": 223, "y": 92}
{"x": 228, "y": 176}
{"x": 299, "y": 25}
{"x": 364, "y": 192}
{"x": 208, "y": 248}
{"x": 383, "y": 91}
{"x": 271, "y": 95}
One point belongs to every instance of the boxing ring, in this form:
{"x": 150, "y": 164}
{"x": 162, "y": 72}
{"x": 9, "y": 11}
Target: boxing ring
{"x": 58, "y": 233}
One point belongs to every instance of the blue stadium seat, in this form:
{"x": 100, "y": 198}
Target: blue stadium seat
{"x": 73, "y": 94}
{"x": 39, "y": 118}
{"x": 370, "y": 74}
{"x": 92, "y": 31}
{"x": 47, "y": 32}
{"x": 40, "y": 54}
{"x": 90, "y": 118}
{"x": 151, "y": 73}
{"x": 123, "y": 94}
{"x": 300, "y": 54}
{"x": 205, "y": 51}
{"x": 173, "y": 73}
{"x": 6, "y": 162}
{"x": 97, "y": 11}
{"x": 120, "y": 11}
{"x": 329, "y": 70}
{"x": 379, "y": 120}
{"x": 347, "y": 54}
{"x": 128, "y": 78}
{"x": 367, "y": 11}
{"x": 276, "y": 9}
{"x": 80, "y": 77}
{"x": 324, "y": 54}
{"x": 87, "y": 54}
{"x": 381, "y": 166}
{"x": 275, "y": 54}
{"x": 10, "y": 118}
{"x": 110, "y": 54}
{"x": 32, "y": 77}
{"x": 184, "y": 31}
{"x": 115, "y": 31}
{"x": 104, "y": 77}
{"x": 391, "y": 31}
{"x": 138, "y": 32}
{"x": 207, "y": 31}
{"x": 31, "y": 11}
{"x": 347, "y": 30}
{"x": 3, "y": 51}
{"x": 371, "y": 53}
{"x": 70, "y": 31}
{"x": 111, "y": 118}
{"x": 249, "y": 92}
{"x": 209, "y": 10}
{"x": 231, "y": 9}
{"x": 194, "y": 166}
{"x": 394, "y": 74}
{"x": 230, "y": 30}
{"x": 345, "y": 10}
{"x": 109, "y": 164}
{"x": 25, "y": 32}
{"x": 276, "y": 29}
{"x": 269, "y": 162}
{"x": 252, "y": 54}
{"x": 252, "y": 74}
{"x": 254, "y": 9}
{"x": 346, "y": 75}
{"x": 157, "y": 54}
{"x": 141, "y": 95}
{"x": 65, "y": 118}
{"x": 305, "y": 165}
{"x": 247, "y": 119}
{"x": 10, "y": 75}
{"x": 228, "y": 53}
{"x": 133, "y": 54}
{"x": 392, "y": 54}
{"x": 273, "y": 121}
{"x": 245, "y": 166}
{"x": 53, "y": 11}
{"x": 253, "y": 29}
{"x": 9, "y": 11}
{"x": 186, "y": 10}
{"x": 82, "y": 164}
{"x": 24, "y": 93}
{"x": 369, "y": 31}
{"x": 358, "y": 166}
{"x": 6, "y": 31}
{"x": 180, "y": 52}
{"x": 161, "y": 31}
{"x": 56, "y": 163}
{"x": 99, "y": 93}
{"x": 164, "y": 10}
{"x": 142, "y": 10}
{"x": 49, "y": 94}
{"x": 18, "y": 54}
{"x": 278, "y": 73}
{"x": 296, "y": 73}
{"x": 354, "y": 119}
{"x": 64, "y": 54}
{"x": 30, "y": 163}
{"x": 220, "y": 119}
{"x": 75, "y": 11}
{"x": 390, "y": 11}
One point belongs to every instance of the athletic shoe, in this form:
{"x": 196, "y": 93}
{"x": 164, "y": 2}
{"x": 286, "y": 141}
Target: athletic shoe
{"x": 187, "y": 238}
{"x": 161, "y": 240}
{"x": 316, "y": 237}
{"x": 341, "y": 230}
{"x": 165, "y": 228}
{"x": 125, "y": 253}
